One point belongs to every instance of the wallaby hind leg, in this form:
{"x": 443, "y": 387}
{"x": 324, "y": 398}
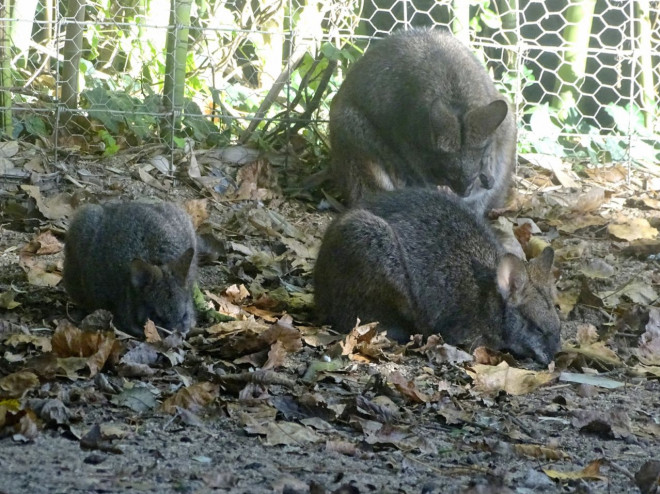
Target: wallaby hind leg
{"x": 362, "y": 161}
{"x": 360, "y": 274}
{"x": 79, "y": 244}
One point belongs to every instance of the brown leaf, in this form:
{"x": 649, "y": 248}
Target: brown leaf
{"x": 53, "y": 208}
{"x": 538, "y": 451}
{"x": 192, "y": 398}
{"x": 7, "y": 300}
{"x": 276, "y": 356}
{"x": 608, "y": 423}
{"x": 343, "y": 447}
{"x": 284, "y": 332}
{"x": 17, "y": 384}
{"x": 633, "y": 229}
{"x": 509, "y": 379}
{"x": 523, "y": 233}
{"x": 96, "y": 347}
{"x": 44, "y": 244}
{"x": 289, "y": 433}
{"x": 198, "y": 211}
{"x": 40, "y": 272}
{"x": 438, "y": 351}
{"x": 535, "y": 247}
{"x": 17, "y": 340}
{"x": 649, "y": 343}
{"x": 358, "y": 334}
{"x": 487, "y": 356}
{"x": 256, "y": 181}
{"x": 27, "y": 425}
{"x": 407, "y": 388}
{"x": 94, "y": 440}
{"x": 398, "y": 436}
{"x": 591, "y": 471}
{"x": 150, "y": 332}
{"x": 578, "y": 222}
{"x": 237, "y": 293}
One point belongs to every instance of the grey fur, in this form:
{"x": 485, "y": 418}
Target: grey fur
{"x": 418, "y": 109}
{"x": 419, "y": 261}
{"x": 136, "y": 260}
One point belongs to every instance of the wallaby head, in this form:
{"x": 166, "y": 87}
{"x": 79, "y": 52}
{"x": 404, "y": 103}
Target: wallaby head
{"x": 162, "y": 293}
{"x": 531, "y": 321}
{"x": 462, "y": 143}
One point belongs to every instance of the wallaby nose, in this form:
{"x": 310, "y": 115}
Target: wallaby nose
{"x": 487, "y": 181}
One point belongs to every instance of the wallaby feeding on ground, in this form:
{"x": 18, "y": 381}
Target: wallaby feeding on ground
{"x": 420, "y": 261}
{"x": 418, "y": 109}
{"x": 136, "y": 260}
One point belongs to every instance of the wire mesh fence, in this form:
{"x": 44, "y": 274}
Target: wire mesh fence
{"x": 101, "y": 76}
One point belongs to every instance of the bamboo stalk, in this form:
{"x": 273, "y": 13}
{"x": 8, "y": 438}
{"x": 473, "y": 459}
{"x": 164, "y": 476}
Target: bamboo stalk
{"x": 579, "y": 18}
{"x": 645, "y": 61}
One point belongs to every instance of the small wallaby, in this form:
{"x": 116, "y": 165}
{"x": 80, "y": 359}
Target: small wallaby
{"x": 135, "y": 259}
{"x": 420, "y": 261}
{"x": 419, "y": 109}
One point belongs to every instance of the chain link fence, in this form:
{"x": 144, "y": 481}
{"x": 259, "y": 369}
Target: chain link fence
{"x": 102, "y": 76}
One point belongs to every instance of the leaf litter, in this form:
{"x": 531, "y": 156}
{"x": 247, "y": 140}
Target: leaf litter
{"x": 265, "y": 389}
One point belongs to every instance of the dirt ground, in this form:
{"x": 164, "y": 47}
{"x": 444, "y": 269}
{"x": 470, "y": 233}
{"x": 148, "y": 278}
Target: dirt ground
{"x": 271, "y": 402}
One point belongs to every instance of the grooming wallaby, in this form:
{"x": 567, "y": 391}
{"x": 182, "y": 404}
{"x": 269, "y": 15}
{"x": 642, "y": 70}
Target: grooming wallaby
{"x": 419, "y": 109}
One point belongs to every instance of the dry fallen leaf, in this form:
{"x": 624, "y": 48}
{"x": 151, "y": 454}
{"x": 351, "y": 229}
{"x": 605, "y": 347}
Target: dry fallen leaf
{"x": 40, "y": 272}
{"x": 192, "y": 398}
{"x": 514, "y": 381}
{"x": 96, "y": 348}
{"x": 18, "y": 340}
{"x": 590, "y": 348}
{"x": 649, "y": 343}
{"x": 53, "y": 208}
{"x": 407, "y": 388}
{"x": 633, "y": 229}
{"x": 7, "y": 300}
{"x": 276, "y": 356}
{"x": 237, "y": 293}
{"x": 290, "y": 433}
{"x": 17, "y": 384}
{"x": 358, "y": 334}
{"x": 399, "y": 436}
{"x": 538, "y": 451}
{"x": 610, "y": 423}
{"x": 197, "y": 209}
{"x": 438, "y": 351}
{"x": 590, "y": 472}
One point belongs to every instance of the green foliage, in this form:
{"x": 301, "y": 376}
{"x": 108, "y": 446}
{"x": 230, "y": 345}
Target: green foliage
{"x": 575, "y": 137}
{"x": 31, "y": 125}
{"x": 484, "y": 16}
{"x": 111, "y": 146}
{"x": 136, "y": 120}
{"x": 120, "y": 113}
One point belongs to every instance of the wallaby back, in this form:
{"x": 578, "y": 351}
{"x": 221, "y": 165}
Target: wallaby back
{"x": 136, "y": 260}
{"x": 419, "y": 261}
{"x": 418, "y": 109}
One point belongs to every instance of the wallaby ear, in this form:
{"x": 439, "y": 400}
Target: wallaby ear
{"x": 540, "y": 268}
{"x": 545, "y": 260}
{"x": 143, "y": 273}
{"x": 481, "y": 122}
{"x": 445, "y": 128}
{"x": 511, "y": 278}
{"x": 181, "y": 266}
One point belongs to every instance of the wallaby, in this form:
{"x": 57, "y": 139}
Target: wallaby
{"x": 419, "y": 109}
{"x": 135, "y": 259}
{"x": 420, "y": 261}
